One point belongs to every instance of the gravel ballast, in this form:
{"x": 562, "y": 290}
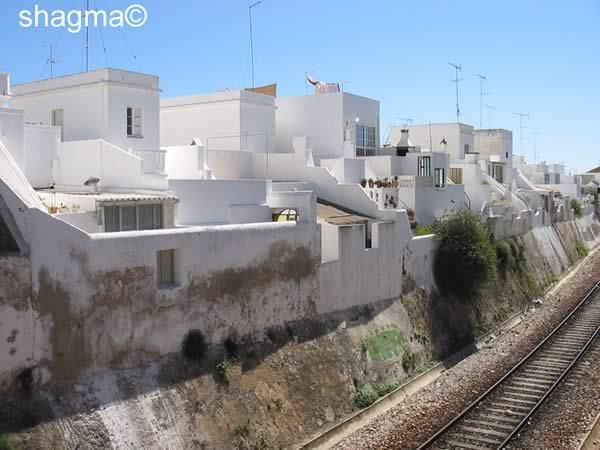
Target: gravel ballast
{"x": 412, "y": 422}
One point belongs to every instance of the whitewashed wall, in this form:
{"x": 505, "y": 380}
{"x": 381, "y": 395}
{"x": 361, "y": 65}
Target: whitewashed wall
{"x": 95, "y": 105}
{"x": 40, "y": 146}
{"x": 115, "y": 167}
{"x": 204, "y": 202}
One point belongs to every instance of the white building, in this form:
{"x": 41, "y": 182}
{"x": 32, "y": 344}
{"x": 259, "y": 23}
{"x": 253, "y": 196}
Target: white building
{"x": 459, "y": 138}
{"x": 108, "y": 125}
{"x": 495, "y": 148}
{"x": 230, "y": 120}
{"x": 337, "y": 124}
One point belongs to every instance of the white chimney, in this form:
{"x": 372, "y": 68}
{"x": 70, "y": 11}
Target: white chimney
{"x": 404, "y": 141}
{"x": 443, "y": 144}
{"x": 4, "y": 89}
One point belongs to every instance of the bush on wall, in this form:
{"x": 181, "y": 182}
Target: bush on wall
{"x": 465, "y": 259}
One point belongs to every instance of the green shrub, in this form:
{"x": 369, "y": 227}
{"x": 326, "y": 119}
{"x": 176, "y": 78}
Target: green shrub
{"x": 409, "y": 361}
{"x": 465, "y": 259}
{"x": 423, "y": 230}
{"x": 576, "y": 205}
{"x": 223, "y": 370}
{"x": 385, "y": 388}
{"x": 505, "y": 259}
{"x": 581, "y": 249}
{"x": 363, "y": 398}
{"x": 4, "y": 445}
{"x": 194, "y": 345}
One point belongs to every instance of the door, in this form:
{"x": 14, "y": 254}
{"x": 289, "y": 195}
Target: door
{"x": 58, "y": 120}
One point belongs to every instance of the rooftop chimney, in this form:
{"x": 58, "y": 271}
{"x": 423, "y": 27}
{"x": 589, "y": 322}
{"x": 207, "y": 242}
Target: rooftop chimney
{"x": 404, "y": 141}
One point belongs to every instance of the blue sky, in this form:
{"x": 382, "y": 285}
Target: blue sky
{"x": 540, "y": 57}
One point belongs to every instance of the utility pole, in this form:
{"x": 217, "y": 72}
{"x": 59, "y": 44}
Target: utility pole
{"x": 535, "y": 153}
{"x": 481, "y": 80}
{"x": 251, "y": 37}
{"x": 457, "y": 68}
{"x": 521, "y": 115}
{"x": 87, "y": 39}
{"x": 490, "y": 108}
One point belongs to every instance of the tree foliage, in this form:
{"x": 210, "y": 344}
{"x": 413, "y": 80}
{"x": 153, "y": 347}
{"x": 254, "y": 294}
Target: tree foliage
{"x": 465, "y": 259}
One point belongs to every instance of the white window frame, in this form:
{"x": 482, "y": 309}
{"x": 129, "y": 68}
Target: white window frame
{"x": 365, "y": 140}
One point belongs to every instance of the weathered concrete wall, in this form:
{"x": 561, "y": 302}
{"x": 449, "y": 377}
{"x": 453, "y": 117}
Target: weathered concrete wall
{"x": 301, "y": 375}
{"x": 17, "y": 318}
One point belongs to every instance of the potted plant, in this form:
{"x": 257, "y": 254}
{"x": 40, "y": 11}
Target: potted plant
{"x": 363, "y": 182}
{"x": 370, "y": 182}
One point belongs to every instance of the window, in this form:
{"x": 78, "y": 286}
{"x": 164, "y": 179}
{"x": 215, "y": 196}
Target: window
{"x": 112, "y": 221}
{"x": 165, "y": 268}
{"x": 546, "y": 178}
{"x": 439, "y": 178}
{"x": 58, "y": 116}
{"x": 287, "y": 215}
{"x": 149, "y": 217}
{"x": 557, "y": 178}
{"x": 498, "y": 173}
{"x": 134, "y": 122}
{"x": 128, "y": 218}
{"x": 424, "y": 166}
{"x": 366, "y": 140}
{"x": 466, "y": 148}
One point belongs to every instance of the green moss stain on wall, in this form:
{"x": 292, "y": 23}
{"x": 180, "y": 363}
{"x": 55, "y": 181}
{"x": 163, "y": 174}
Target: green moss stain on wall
{"x": 385, "y": 345}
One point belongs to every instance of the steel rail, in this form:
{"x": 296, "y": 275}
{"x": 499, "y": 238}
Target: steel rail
{"x": 524, "y": 360}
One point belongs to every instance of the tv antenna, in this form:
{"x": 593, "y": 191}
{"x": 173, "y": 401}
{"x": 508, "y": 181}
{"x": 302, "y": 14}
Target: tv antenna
{"x": 457, "y": 69}
{"x": 481, "y": 80}
{"x": 406, "y": 120}
{"x": 521, "y": 116}
{"x": 50, "y": 61}
{"x": 251, "y": 36}
{"x": 490, "y": 108}
{"x": 535, "y": 153}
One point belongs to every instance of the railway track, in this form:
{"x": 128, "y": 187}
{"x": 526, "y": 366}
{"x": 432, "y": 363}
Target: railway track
{"x": 497, "y": 416}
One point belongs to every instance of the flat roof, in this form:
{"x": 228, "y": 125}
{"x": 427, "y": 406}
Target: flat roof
{"x": 336, "y": 216}
{"x": 104, "y": 75}
{"x": 216, "y": 97}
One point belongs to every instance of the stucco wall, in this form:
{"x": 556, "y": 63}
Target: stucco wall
{"x": 204, "y": 202}
{"x": 16, "y": 318}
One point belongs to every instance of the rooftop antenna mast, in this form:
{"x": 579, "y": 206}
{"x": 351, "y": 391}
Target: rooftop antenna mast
{"x": 457, "y": 69}
{"x": 406, "y": 120}
{"x": 490, "y": 108}
{"x": 87, "y": 39}
{"x": 535, "y": 153}
{"x": 481, "y": 80}
{"x": 51, "y": 61}
{"x": 521, "y": 115}
{"x": 251, "y": 37}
